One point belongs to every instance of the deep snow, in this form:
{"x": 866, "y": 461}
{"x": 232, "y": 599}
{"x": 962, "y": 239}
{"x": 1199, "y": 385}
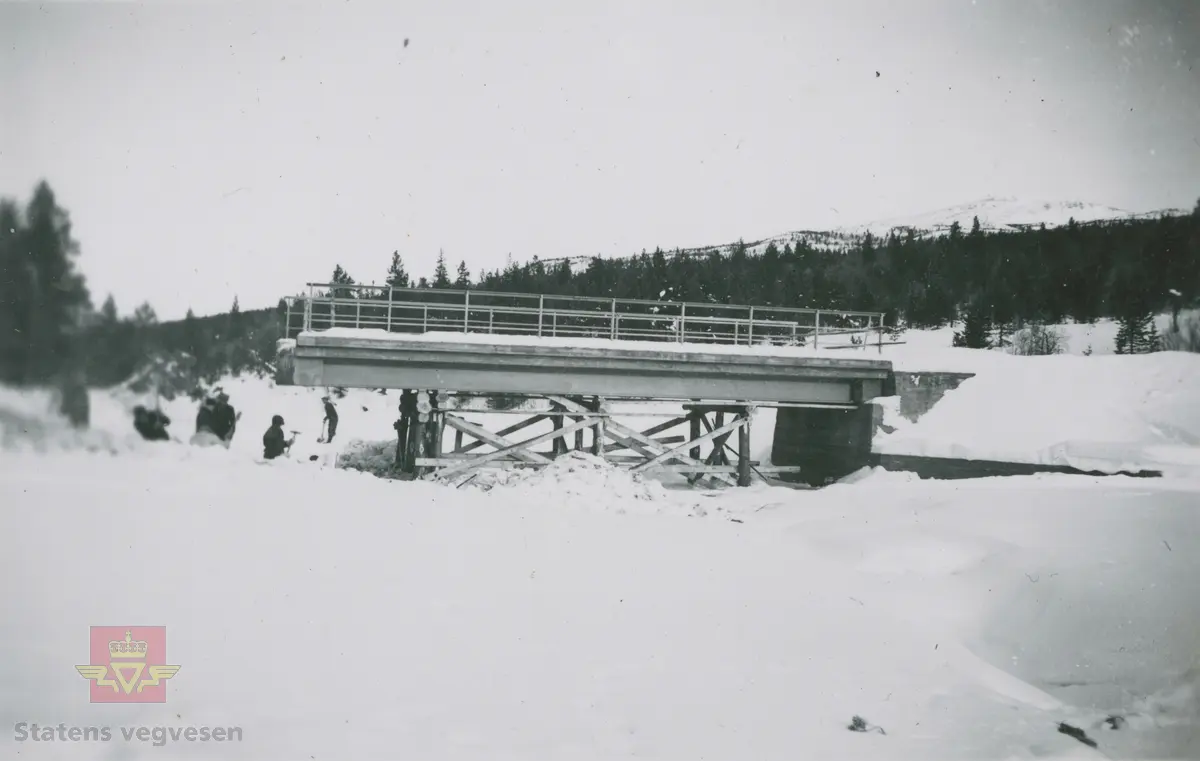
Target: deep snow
{"x": 583, "y": 612}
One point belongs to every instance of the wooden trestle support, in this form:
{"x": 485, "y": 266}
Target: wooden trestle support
{"x": 425, "y": 418}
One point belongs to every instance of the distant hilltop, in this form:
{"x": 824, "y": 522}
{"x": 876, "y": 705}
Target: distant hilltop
{"x": 995, "y": 215}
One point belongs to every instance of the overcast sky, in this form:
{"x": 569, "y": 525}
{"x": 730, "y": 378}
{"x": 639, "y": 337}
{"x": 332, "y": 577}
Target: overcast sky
{"x": 212, "y": 149}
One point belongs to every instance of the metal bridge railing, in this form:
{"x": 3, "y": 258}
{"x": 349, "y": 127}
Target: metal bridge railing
{"x": 420, "y": 310}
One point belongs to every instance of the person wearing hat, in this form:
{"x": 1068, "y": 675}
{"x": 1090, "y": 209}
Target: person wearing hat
{"x": 151, "y": 424}
{"x": 224, "y": 418}
{"x": 274, "y": 444}
{"x": 331, "y": 418}
{"x": 206, "y": 416}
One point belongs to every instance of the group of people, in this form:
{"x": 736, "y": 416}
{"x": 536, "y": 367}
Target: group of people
{"x": 274, "y": 442}
{"x": 217, "y": 418}
{"x": 216, "y": 422}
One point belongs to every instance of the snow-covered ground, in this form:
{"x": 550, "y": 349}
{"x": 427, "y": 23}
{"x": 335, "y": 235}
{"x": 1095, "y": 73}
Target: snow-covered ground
{"x": 330, "y": 614}
{"x": 581, "y": 612}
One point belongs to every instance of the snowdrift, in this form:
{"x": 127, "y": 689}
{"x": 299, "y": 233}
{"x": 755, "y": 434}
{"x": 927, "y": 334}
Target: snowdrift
{"x": 1106, "y": 413}
{"x": 379, "y": 619}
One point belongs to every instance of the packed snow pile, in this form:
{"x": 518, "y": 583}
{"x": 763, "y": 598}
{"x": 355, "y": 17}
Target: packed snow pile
{"x": 375, "y": 457}
{"x": 579, "y": 480}
{"x": 1102, "y": 413}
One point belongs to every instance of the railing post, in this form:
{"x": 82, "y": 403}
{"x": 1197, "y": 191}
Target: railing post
{"x": 467, "y": 313}
{"x": 541, "y": 310}
{"x": 612, "y": 321}
{"x": 750, "y": 329}
{"x": 389, "y": 308}
{"x": 881, "y": 333}
{"x": 425, "y": 319}
{"x": 358, "y": 313}
{"x": 817, "y": 332}
{"x": 554, "y": 324}
{"x": 491, "y": 319}
{"x": 682, "y": 337}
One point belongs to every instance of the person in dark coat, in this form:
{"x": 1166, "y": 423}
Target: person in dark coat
{"x": 205, "y": 417}
{"x": 224, "y": 418}
{"x": 274, "y": 444}
{"x": 151, "y": 424}
{"x": 331, "y": 418}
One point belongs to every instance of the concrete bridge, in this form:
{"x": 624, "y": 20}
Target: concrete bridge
{"x": 823, "y": 427}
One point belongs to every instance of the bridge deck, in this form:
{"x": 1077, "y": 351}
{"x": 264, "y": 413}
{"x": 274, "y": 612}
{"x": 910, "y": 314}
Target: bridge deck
{"x": 532, "y": 365}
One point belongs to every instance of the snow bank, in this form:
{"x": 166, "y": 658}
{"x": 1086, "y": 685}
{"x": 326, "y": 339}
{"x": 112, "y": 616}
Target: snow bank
{"x": 372, "y": 619}
{"x": 1107, "y": 413}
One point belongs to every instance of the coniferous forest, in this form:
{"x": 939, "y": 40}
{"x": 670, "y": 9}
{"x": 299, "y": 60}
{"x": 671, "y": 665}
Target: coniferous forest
{"x": 989, "y": 283}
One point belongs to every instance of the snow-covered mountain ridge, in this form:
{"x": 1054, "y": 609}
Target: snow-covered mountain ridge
{"x": 995, "y": 215}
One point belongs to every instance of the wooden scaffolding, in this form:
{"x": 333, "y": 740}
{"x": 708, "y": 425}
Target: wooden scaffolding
{"x": 426, "y": 418}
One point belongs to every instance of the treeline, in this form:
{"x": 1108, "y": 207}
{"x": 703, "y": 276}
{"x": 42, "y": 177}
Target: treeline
{"x": 51, "y": 332}
{"x": 991, "y": 283}
{"x": 194, "y": 348}
{"x": 994, "y": 282}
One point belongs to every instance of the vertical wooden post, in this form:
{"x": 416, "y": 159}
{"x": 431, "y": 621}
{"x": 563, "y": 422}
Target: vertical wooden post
{"x": 467, "y": 313}
{"x": 420, "y": 441}
{"x": 579, "y": 447}
{"x": 817, "y": 330}
{"x": 541, "y": 312}
{"x": 750, "y": 329}
{"x": 389, "y": 314}
{"x": 719, "y": 442}
{"x": 598, "y": 429}
{"x": 559, "y": 447}
{"x": 439, "y": 430}
{"x": 403, "y": 428}
{"x": 743, "y": 474}
{"x": 694, "y": 430}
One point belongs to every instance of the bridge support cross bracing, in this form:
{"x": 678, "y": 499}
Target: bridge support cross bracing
{"x": 422, "y": 451}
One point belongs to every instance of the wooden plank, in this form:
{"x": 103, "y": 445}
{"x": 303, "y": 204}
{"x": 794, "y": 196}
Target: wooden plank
{"x": 491, "y": 438}
{"x": 635, "y": 440}
{"x": 664, "y": 440}
{"x": 727, "y": 428}
{"x": 502, "y": 432}
{"x": 521, "y": 445}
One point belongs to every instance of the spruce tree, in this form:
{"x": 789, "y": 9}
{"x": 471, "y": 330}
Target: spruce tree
{"x": 1137, "y": 334}
{"x": 463, "y": 280}
{"x": 397, "y": 275}
{"x": 975, "y": 333}
{"x": 441, "y": 276}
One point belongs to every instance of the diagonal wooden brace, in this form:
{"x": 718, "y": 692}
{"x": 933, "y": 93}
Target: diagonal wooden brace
{"x": 494, "y": 439}
{"x": 501, "y": 433}
{"x": 640, "y": 443}
{"x": 471, "y": 464}
{"x": 674, "y": 453}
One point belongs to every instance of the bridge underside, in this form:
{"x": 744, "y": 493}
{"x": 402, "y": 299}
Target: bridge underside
{"x": 577, "y": 380}
{"x": 473, "y": 364}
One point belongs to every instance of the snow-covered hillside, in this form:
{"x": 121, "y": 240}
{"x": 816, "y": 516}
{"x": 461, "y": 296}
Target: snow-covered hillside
{"x": 995, "y": 215}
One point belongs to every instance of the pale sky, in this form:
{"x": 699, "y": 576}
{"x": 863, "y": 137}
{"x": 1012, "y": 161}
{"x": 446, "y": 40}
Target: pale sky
{"x": 212, "y": 149}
